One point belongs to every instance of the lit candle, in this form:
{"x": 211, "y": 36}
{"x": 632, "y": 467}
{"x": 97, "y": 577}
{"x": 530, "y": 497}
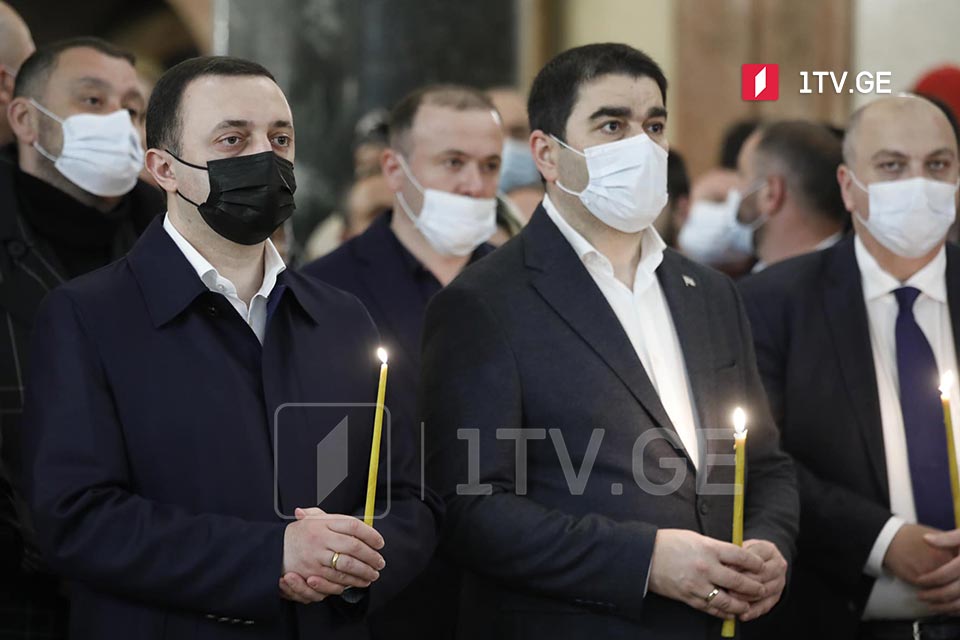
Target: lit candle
{"x": 946, "y": 383}
{"x": 375, "y": 446}
{"x": 740, "y": 449}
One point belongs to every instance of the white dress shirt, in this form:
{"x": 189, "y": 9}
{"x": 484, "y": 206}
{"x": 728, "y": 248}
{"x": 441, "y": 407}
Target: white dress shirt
{"x": 892, "y": 599}
{"x": 645, "y": 317}
{"x": 256, "y": 314}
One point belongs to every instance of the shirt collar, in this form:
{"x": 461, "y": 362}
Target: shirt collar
{"x": 211, "y": 278}
{"x": 931, "y": 280}
{"x": 651, "y": 248}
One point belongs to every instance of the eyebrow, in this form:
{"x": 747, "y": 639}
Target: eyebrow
{"x": 90, "y": 80}
{"x": 901, "y": 154}
{"x": 625, "y": 112}
{"x": 245, "y": 124}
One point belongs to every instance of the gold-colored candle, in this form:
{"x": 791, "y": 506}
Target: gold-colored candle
{"x": 740, "y": 449}
{"x": 946, "y": 384}
{"x": 375, "y": 446}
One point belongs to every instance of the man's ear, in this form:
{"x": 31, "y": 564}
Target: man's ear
{"x": 544, "y": 152}
{"x": 160, "y": 165}
{"x": 6, "y": 87}
{"x": 392, "y": 171}
{"x": 776, "y": 193}
{"x": 845, "y": 180}
{"x": 23, "y": 120}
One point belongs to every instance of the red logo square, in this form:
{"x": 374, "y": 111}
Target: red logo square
{"x": 760, "y": 82}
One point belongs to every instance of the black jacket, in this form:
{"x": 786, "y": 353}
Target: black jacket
{"x": 29, "y": 268}
{"x": 525, "y": 338}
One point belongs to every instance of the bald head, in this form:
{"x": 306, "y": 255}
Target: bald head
{"x": 16, "y": 45}
{"x": 898, "y": 125}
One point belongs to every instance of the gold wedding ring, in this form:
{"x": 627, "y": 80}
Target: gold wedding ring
{"x": 336, "y": 557}
{"x": 713, "y": 594}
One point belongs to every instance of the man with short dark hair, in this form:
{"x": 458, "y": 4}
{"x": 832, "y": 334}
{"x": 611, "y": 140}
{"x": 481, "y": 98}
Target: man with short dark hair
{"x": 70, "y": 202}
{"x": 592, "y": 347}
{"x": 199, "y": 420}
{"x": 442, "y": 165}
{"x": 790, "y": 198}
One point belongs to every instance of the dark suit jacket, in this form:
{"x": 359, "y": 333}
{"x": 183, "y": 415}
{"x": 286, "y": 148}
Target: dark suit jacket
{"x": 166, "y": 449}
{"x": 525, "y": 338}
{"x": 394, "y": 287}
{"x": 813, "y": 348}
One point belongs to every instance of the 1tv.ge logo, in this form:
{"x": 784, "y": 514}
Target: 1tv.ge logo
{"x": 760, "y": 81}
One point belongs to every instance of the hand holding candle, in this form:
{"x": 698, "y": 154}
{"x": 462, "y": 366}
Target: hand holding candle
{"x": 375, "y": 446}
{"x": 946, "y": 384}
{"x": 740, "y": 449}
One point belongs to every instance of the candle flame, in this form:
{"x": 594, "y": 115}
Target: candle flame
{"x": 382, "y": 354}
{"x": 739, "y": 420}
{"x": 946, "y": 383}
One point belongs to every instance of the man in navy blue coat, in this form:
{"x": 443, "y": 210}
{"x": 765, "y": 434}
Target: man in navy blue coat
{"x": 198, "y": 422}
{"x": 445, "y": 146}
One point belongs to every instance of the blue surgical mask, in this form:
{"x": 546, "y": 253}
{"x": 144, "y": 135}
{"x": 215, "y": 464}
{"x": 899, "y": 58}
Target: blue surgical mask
{"x": 517, "y": 168}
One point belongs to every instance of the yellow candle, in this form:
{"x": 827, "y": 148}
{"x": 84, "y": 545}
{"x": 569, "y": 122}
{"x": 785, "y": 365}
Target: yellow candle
{"x": 946, "y": 382}
{"x": 740, "y": 449}
{"x": 375, "y": 446}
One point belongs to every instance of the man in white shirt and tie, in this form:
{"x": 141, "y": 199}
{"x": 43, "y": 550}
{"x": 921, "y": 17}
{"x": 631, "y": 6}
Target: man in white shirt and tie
{"x": 852, "y": 343}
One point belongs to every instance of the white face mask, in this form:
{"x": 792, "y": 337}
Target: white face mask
{"x": 909, "y": 217}
{"x": 101, "y": 154}
{"x": 712, "y": 233}
{"x": 454, "y": 225}
{"x": 627, "y": 186}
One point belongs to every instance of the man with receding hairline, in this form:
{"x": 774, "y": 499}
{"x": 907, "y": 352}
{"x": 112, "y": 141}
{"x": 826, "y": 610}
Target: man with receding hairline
{"x": 852, "y": 343}
{"x": 442, "y": 167}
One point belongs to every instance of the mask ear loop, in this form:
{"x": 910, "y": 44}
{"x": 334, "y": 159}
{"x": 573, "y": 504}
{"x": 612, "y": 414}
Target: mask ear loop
{"x": 36, "y": 143}
{"x": 416, "y": 183}
{"x": 189, "y": 164}
{"x": 579, "y": 153}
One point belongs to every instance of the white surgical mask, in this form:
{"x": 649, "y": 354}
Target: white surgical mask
{"x": 101, "y": 154}
{"x": 712, "y": 233}
{"x": 627, "y": 186}
{"x": 909, "y": 217}
{"x": 518, "y": 168}
{"x": 454, "y": 225}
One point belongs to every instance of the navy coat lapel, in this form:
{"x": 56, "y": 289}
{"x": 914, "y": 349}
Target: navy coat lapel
{"x": 850, "y": 330}
{"x": 565, "y": 284}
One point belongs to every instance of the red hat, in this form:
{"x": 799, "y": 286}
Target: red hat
{"x": 943, "y": 83}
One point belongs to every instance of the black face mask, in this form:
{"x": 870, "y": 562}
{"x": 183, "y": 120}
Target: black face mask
{"x": 250, "y": 196}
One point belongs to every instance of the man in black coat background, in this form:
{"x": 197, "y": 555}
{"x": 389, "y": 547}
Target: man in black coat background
{"x": 65, "y": 209}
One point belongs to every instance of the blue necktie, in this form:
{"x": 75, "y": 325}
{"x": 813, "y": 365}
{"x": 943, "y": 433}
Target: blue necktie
{"x": 922, "y": 418}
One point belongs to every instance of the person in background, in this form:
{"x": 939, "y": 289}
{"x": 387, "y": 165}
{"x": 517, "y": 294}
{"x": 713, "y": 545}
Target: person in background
{"x": 851, "y": 344}
{"x": 711, "y": 234}
{"x": 16, "y": 45}
{"x": 70, "y": 202}
{"x": 520, "y": 181}
{"x": 674, "y": 215}
{"x": 443, "y": 166}
{"x": 790, "y": 200}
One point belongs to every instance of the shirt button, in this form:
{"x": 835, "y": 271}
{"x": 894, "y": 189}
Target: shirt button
{"x": 221, "y": 288}
{"x": 704, "y": 508}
